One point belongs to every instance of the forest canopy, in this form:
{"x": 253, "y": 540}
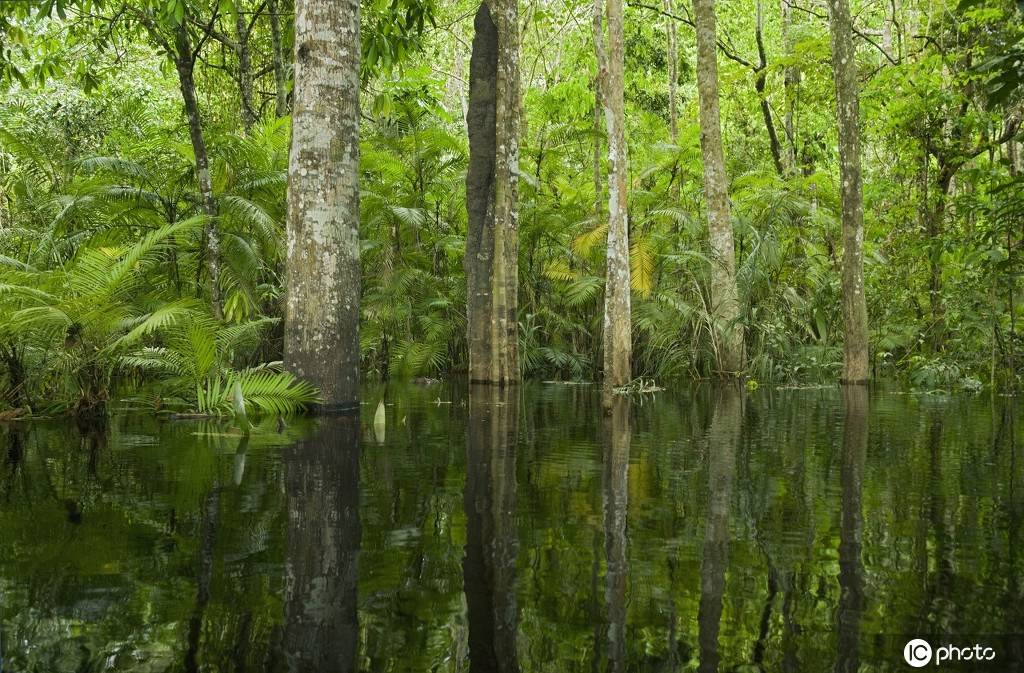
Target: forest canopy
{"x": 144, "y": 207}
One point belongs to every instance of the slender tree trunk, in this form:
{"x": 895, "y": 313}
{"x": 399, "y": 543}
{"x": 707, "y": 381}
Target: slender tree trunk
{"x": 244, "y": 69}
{"x": 673, "y": 97}
{"x": 492, "y": 195}
{"x": 855, "y": 309}
{"x": 790, "y": 80}
{"x": 935, "y": 228}
{"x": 277, "y": 60}
{"x": 185, "y": 63}
{"x": 322, "y": 314}
{"x": 760, "y": 81}
{"x": 598, "y": 32}
{"x": 724, "y": 295}
{"x": 618, "y": 344}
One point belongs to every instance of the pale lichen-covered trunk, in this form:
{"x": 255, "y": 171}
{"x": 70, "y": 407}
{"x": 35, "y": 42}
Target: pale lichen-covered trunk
{"x": 724, "y": 295}
{"x": 322, "y": 535}
{"x": 321, "y": 337}
{"x": 492, "y": 195}
{"x": 489, "y": 566}
{"x": 617, "y": 436}
{"x": 184, "y": 62}
{"x": 855, "y": 309}
{"x": 618, "y": 346}
{"x": 723, "y": 440}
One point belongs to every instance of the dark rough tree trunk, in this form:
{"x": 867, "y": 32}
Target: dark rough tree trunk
{"x": 723, "y": 438}
{"x": 321, "y": 474}
{"x": 855, "y": 308}
{"x": 760, "y": 82}
{"x": 489, "y": 567}
{"x": 724, "y": 295}
{"x": 321, "y": 339}
{"x": 492, "y": 195}
{"x": 851, "y": 530}
{"x": 277, "y": 60}
{"x": 184, "y": 62}
{"x": 616, "y": 504}
{"x": 617, "y": 329}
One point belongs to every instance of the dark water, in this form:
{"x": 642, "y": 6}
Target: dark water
{"x": 700, "y": 531}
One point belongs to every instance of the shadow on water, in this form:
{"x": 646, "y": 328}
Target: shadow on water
{"x": 489, "y": 566}
{"x": 322, "y": 543}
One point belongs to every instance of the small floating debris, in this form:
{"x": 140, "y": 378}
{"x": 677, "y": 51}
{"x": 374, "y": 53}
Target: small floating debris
{"x": 639, "y": 386}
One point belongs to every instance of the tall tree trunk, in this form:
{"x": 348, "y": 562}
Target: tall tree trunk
{"x": 277, "y": 60}
{"x": 855, "y": 309}
{"x": 617, "y": 437}
{"x": 724, "y": 295}
{"x": 321, "y": 340}
{"x": 673, "y": 97}
{"x": 492, "y": 195}
{"x": 489, "y": 567}
{"x": 323, "y": 535}
{"x": 935, "y": 227}
{"x": 184, "y": 62}
{"x": 618, "y": 346}
{"x": 244, "y": 69}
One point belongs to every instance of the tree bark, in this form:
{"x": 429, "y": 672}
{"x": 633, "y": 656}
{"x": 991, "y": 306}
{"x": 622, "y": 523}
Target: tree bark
{"x": 724, "y": 295}
{"x": 321, "y": 629}
{"x": 760, "y": 82}
{"x": 184, "y": 62}
{"x": 244, "y": 69}
{"x": 855, "y": 309}
{"x": 618, "y": 344}
{"x": 277, "y": 60}
{"x": 790, "y": 80}
{"x": 489, "y": 566}
{"x": 322, "y": 313}
{"x": 598, "y": 33}
{"x": 492, "y": 195}
{"x": 673, "y": 97}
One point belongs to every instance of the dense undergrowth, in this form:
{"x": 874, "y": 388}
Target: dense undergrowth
{"x": 103, "y": 289}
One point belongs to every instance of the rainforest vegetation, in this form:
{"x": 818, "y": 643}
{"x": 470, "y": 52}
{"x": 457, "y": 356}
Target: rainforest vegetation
{"x": 278, "y": 197}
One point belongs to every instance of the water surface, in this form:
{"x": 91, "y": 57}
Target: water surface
{"x": 482, "y": 530}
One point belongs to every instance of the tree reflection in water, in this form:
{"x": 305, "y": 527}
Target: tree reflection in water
{"x": 321, "y": 628}
{"x": 851, "y": 529}
{"x": 723, "y": 437}
{"x": 489, "y": 566}
{"x": 616, "y": 501}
